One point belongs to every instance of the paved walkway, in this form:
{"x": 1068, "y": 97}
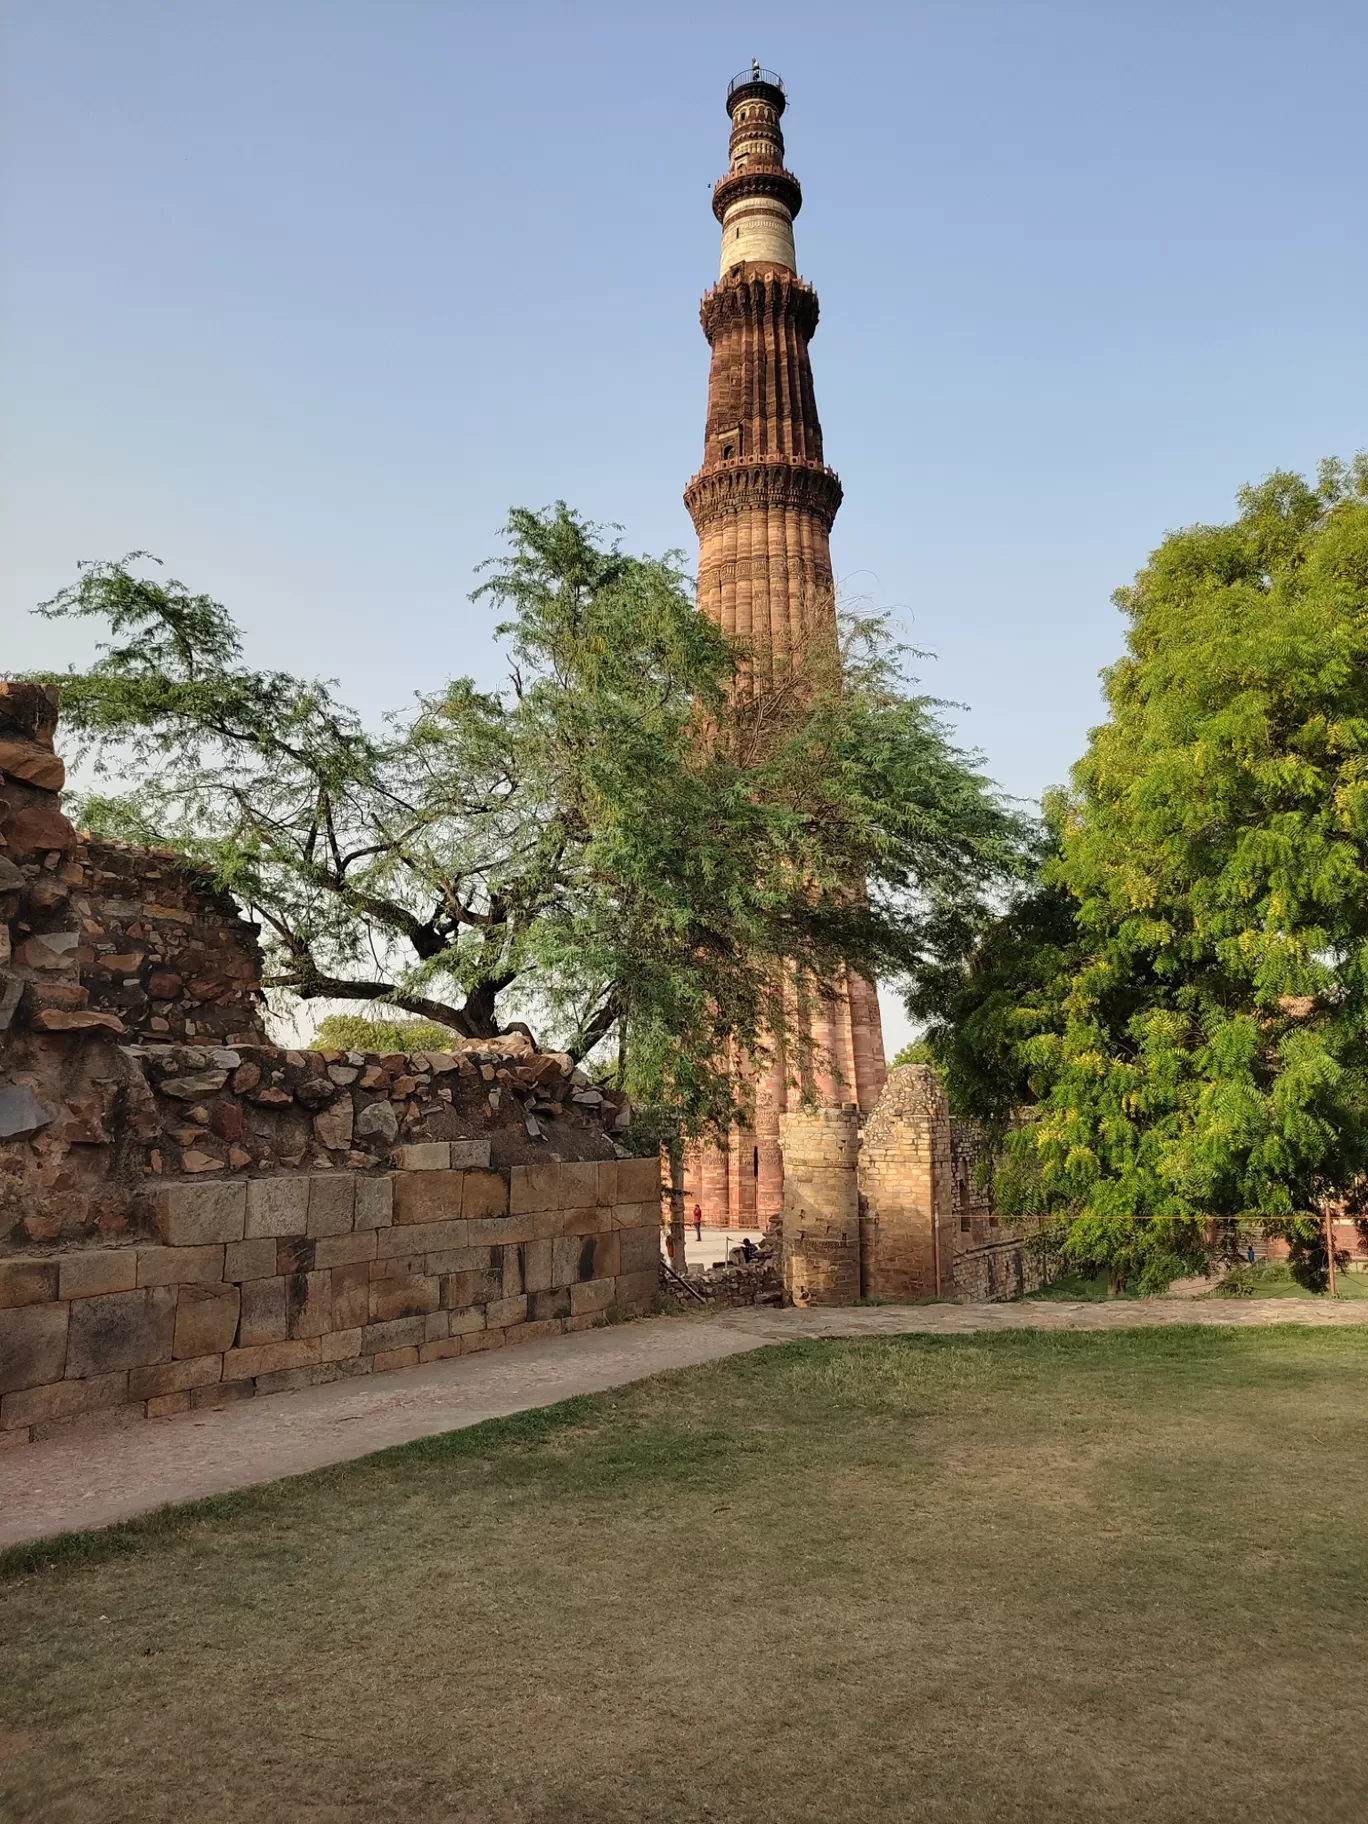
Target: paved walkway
{"x": 95, "y": 1479}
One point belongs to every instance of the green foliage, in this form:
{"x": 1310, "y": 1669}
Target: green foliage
{"x": 917, "y": 1052}
{"x": 629, "y": 840}
{"x": 1203, "y": 1054}
{"x": 362, "y": 1032}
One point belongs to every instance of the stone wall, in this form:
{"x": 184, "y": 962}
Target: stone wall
{"x": 821, "y": 1229}
{"x": 906, "y": 1189}
{"x": 243, "y": 1285}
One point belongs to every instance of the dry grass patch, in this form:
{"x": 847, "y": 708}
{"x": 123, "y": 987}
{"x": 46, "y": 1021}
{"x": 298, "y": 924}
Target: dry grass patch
{"x": 1022, "y": 1576}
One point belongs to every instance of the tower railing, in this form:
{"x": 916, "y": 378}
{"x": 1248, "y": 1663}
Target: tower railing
{"x": 744, "y": 78}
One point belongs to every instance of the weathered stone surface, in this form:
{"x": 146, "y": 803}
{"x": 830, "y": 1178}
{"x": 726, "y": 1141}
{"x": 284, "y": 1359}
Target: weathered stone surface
{"x": 27, "y": 1282}
{"x": 49, "y": 950}
{"x": 379, "y": 1121}
{"x": 163, "y": 1378}
{"x": 64, "y": 1400}
{"x": 470, "y": 1155}
{"x": 206, "y": 1320}
{"x": 190, "y": 1215}
{"x": 351, "y": 1295}
{"x": 255, "y": 1259}
{"x": 100, "y": 1270}
{"x": 180, "y": 1266}
{"x": 341, "y": 1345}
{"x": 120, "y": 1330}
{"x": 422, "y": 1197}
{"x": 374, "y": 1202}
{"x": 332, "y": 1203}
{"x": 429, "y": 1156}
{"x": 190, "y": 1089}
{"x": 639, "y": 1249}
{"x": 245, "y": 1364}
{"x": 592, "y": 1295}
{"x": 82, "y": 1019}
{"x": 33, "y": 1345}
{"x": 402, "y": 1333}
{"x": 484, "y": 1194}
{"x": 33, "y": 764}
{"x": 578, "y": 1185}
{"x": 410, "y": 1296}
{"x": 461, "y": 1290}
{"x": 277, "y": 1206}
{"x": 638, "y": 1180}
{"x": 334, "y": 1126}
{"x": 20, "y": 1111}
{"x": 263, "y": 1315}
{"x": 308, "y": 1303}
{"x": 37, "y": 830}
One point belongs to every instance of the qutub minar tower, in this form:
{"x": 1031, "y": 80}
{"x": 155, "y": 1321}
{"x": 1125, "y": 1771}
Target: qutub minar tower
{"x": 762, "y": 505}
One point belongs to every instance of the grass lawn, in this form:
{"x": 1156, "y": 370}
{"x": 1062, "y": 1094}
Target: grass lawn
{"x": 1024, "y": 1576}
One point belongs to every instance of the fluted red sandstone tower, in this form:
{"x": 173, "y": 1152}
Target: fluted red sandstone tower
{"x": 762, "y": 505}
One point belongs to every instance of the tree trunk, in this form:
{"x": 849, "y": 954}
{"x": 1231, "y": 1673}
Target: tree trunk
{"x": 677, "y": 1250}
{"x": 1330, "y": 1250}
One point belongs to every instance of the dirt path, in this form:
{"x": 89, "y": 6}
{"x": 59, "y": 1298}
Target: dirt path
{"x": 95, "y": 1479}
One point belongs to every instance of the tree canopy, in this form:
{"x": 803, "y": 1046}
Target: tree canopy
{"x": 623, "y": 843}
{"x": 1184, "y": 995}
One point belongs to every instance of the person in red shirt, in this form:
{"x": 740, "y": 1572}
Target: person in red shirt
{"x": 698, "y": 1222}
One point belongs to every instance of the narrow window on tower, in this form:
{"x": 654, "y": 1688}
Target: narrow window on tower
{"x": 755, "y": 1162}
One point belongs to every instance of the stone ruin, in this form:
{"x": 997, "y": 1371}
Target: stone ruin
{"x": 899, "y": 1209}
{"x": 190, "y": 1214}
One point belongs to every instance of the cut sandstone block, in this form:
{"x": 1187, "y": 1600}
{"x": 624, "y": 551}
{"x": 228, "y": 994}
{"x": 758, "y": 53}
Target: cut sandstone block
{"x": 637, "y": 1291}
{"x": 578, "y": 1184}
{"x": 412, "y": 1296}
{"x": 27, "y": 1282}
{"x": 469, "y": 1155}
{"x": 424, "y": 1156}
{"x": 438, "y": 1351}
{"x": 374, "y": 1202}
{"x": 102, "y": 1270}
{"x": 120, "y": 1330}
{"x": 263, "y": 1312}
{"x": 589, "y": 1220}
{"x": 592, "y": 1296}
{"x": 174, "y": 1377}
{"x": 63, "y": 1400}
{"x": 638, "y": 1180}
{"x": 246, "y": 1364}
{"x": 421, "y": 1238}
{"x": 308, "y": 1304}
{"x": 536, "y": 1264}
{"x": 344, "y": 1250}
{"x": 539, "y": 1332}
{"x": 503, "y": 1311}
{"x": 606, "y": 1192}
{"x": 422, "y": 1197}
{"x": 33, "y": 1346}
{"x": 180, "y": 1266}
{"x": 332, "y": 1203}
{"x": 485, "y": 1194}
{"x": 403, "y": 1333}
{"x": 278, "y": 1206}
{"x": 638, "y": 1249}
{"x": 532, "y": 1187}
{"x": 351, "y": 1296}
{"x": 250, "y": 1259}
{"x": 192, "y": 1215}
{"x": 543, "y": 1306}
{"x": 206, "y": 1320}
{"x": 167, "y": 1405}
{"x": 387, "y": 1359}
{"x": 341, "y": 1345}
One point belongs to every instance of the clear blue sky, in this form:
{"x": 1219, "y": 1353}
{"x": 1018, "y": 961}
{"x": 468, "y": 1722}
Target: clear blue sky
{"x": 303, "y": 294}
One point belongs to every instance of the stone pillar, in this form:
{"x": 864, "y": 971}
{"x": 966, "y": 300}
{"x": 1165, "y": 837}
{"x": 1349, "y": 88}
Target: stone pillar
{"x": 821, "y": 1235}
{"x": 907, "y": 1237}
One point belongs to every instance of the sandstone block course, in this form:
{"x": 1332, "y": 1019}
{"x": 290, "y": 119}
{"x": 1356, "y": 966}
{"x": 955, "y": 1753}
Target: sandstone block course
{"x": 174, "y": 1377}
{"x": 246, "y": 1364}
{"x": 425, "y": 1156}
{"x": 592, "y": 1295}
{"x": 180, "y": 1266}
{"x": 263, "y": 1312}
{"x": 485, "y": 1194}
{"x": 254, "y": 1259}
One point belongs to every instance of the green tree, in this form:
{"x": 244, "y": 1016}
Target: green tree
{"x": 623, "y": 844}
{"x": 1204, "y": 1052}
